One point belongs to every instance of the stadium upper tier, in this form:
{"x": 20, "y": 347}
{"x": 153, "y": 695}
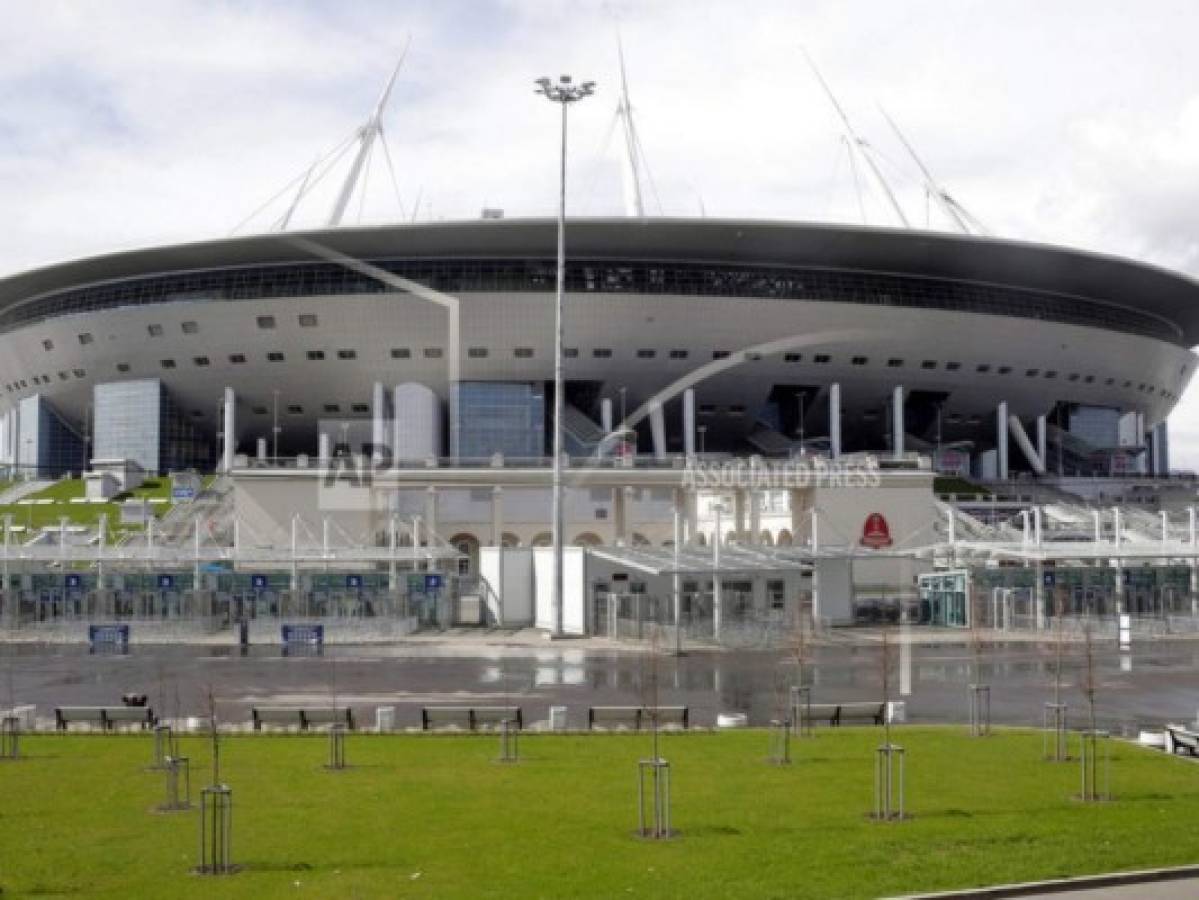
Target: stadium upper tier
{"x": 704, "y": 257}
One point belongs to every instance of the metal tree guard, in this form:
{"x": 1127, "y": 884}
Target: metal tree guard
{"x": 780, "y": 742}
{"x": 165, "y": 746}
{"x": 1054, "y": 746}
{"x": 337, "y": 746}
{"x": 216, "y": 830}
{"x": 178, "y": 784}
{"x": 889, "y": 796}
{"x": 509, "y": 742}
{"x": 1095, "y": 757}
{"x": 653, "y": 805}
{"x": 801, "y": 710}
{"x": 980, "y": 710}
{"x": 10, "y": 738}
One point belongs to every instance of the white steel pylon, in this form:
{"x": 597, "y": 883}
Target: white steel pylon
{"x": 634, "y": 204}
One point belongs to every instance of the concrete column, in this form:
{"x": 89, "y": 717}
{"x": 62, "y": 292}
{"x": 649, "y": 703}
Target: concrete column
{"x": 692, "y": 500}
{"x": 322, "y": 449}
{"x": 755, "y": 517}
{"x": 378, "y": 421}
{"x": 834, "y": 420}
{"x": 897, "y": 427}
{"x": 1192, "y": 535}
{"x": 676, "y": 581}
{"x": 1038, "y": 593}
{"x": 657, "y": 427}
{"x": 261, "y": 448}
{"x": 1042, "y": 443}
{"x": 230, "y": 430}
{"x": 796, "y": 515}
{"x": 689, "y": 422}
{"x": 1001, "y": 470}
{"x": 717, "y": 588}
{"x": 620, "y": 525}
{"x": 606, "y": 415}
{"x": 739, "y": 514}
{"x": 430, "y": 515}
{"x": 497, "y": 516}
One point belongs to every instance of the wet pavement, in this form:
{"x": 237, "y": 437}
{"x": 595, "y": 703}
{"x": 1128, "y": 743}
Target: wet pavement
{"x": 1156, "y": 682}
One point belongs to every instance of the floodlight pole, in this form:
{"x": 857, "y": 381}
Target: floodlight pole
{"x": 563, "y": 93}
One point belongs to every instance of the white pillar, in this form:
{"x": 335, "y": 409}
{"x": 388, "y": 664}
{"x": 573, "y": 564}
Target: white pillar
{"x": 897, "y": 427}
{"x": 739, "y": 514}
{"x": 716, "y": 586}
{"x": 689, "y": 422}
{"x": 692, "y": 501}
{"x": 755, "y": 517}
{"x": 1194, "y": 562}
{"x": 677, "y": 580}
{"x": 1001, "y": 470}
{"x": 1039, "y": 597}
{"x": 378, "y": 421}
{"x": 606, "y": 415}
{"x": 322, "y": 449}
{"x": 620, "y": 523}
{"x": 657, "y": 427}
{"x": 497, "y": 516}
{"x": 230, "y": 429}
{"x": 430, "y": 515}
{"x": 815, "y": 546}
{"x": 834, "y": 420}
{"x": 1037, "y": 523}
{"x": 1042, "y": 443}
{"x": 261, "y": 448}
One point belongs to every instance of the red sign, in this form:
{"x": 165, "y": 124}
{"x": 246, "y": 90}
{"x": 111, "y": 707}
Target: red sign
{"x": 876, "y": 534}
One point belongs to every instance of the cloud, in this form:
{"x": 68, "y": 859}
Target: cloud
{"x": 130, "y": 123}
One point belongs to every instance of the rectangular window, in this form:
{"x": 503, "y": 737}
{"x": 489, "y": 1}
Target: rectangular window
{"x": 601, "y": 353}
{"x": 190, "y": 327}
{"x": 361, "y": 408}
{"x": 47, "y": 345}
{"x": 295, "y": 410}
{"x": 259, "y": 410}
{"x": 201, "y": 360}
{"x": 1051, "y": 374}
{"x": 570, "y": 352}
{"x": 952, "y": 366}
{"x": 792, "y": 357}
{"x": 401, "y": 353}
{"x": 266, "y": 322}
{"x": 347, "y": 354}
{"x": 275, "y": 356}
{"x": 1073, "y": 376}
{"x": 821, "y": 358}
{"x": 307, "y": 320}
{"x": 720, "y": 354}
{"x": 316, "y": 355}
{"x": 432, "y": 353}
{"x": 895, "y": 363}
{"x": 122, "y": 367}
{"x": 332, "y": 408}
{"x": 523, "y": 353}
{"x": 678, "y": 354}
{"x": 646, "y": 354}
{"x": 1004, "y": 370}
{"x": 63, "y": 376}
{"x": 777, "y": 593}
{"x": 237, "y": 358}
{"x": 154, "y": 330}
{"x": 929, "y": 364}
{"x": 982, "y": 368}
{"x": 168, "y": 363}
{"x": 85, "y": 338}
{"x": 477, "y": 352}
{"x": 1032, "y": 373}
{"x": 859, "y": 360}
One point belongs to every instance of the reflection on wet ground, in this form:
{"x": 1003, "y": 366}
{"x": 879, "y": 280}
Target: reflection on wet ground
{"x": 1155, "y": 682}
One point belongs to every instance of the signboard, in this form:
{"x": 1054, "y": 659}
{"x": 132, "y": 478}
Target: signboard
{"x": 1048, "y": 579}
{"x": 876, "y": 533}
{"x": 183, "y": 493}
{"x": 166, "y": 582}
{"x": 74, "y": 582}
{"x": 108, "y": 634}
{"x": 432, "y": 583}
{"x": 185, "y": 486}
{"x": 259, "y": 582}
{"x": 304, "y": 634}
{"x": 354, "y": 582}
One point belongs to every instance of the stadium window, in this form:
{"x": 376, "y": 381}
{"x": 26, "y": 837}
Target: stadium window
{"x": 1109, "y": 382}
{"x": 295, "y": 409}
{"x": 523, "y": 352}
{"x": 894, "y": 363}
{"x": 316, "y": 355}
{"x": 432, "y": 353}
{"x": 477, "y": 352}
{"x": 63, "y": 376}
{"x": 259, "y": 410}
{"x": 1032, "y": 373}
{"x": 154, "y": 330}
{"x": 275, "y": 356}
{"x": 929, "y": 364}
{"x": 952, "y": 366}
{"x": 122, "y": 367}
{"x": 982, "y": 368}
{"x": 332, "y": 408}
{"x": 1090, "y": 379}
{"x": 1128, "y": 384}
{"x": 47, "y": 345}
{"x": 646, "y": 354}
{"x": 23, "y": 384}
{"x": 168, "y": 363}
{"x": 678, "y": 354}
{"x": 266, "y": 322}
{"x": 720, "y": 354}
{"x": 85, "y": 338}
{"x": 361, "y": 407}
{"x": 347, "y": 354}
{"x": 201, "y": 360}
{"x": 859, "y": 360}
{"x": 1073, "y": 376}
{"x": 1004, "y": 370}
{"x": 79, "y": 373}
{"x": 570, "y": 352}
{"x": 821, "y": 358}
{"x": 776, "y": 590}
{"x": 401, "y": 353}
{"x": 307, "y": 320}
{"x": 237, "y": 358}
{"x": 601, "y": 353}
{"x": 792, "y": 357}
{"x": 1051, "y": 374}
{"x": 190, "y": 327}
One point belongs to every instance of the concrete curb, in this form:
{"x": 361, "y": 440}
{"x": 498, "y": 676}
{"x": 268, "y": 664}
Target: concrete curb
{"x": 1065, "y": 885}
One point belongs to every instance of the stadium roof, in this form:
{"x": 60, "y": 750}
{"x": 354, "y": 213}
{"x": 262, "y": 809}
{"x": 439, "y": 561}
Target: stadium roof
{"x": 1168, "y": 295}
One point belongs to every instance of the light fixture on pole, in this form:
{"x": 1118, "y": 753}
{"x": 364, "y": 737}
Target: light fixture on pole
{"x": 564, "y": 93}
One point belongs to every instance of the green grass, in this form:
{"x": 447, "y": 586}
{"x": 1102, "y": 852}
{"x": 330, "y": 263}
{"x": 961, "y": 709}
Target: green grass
{"x": 952, "y": 484}
{"x": 61, "y": 492}
{"x": 435, "y": 817}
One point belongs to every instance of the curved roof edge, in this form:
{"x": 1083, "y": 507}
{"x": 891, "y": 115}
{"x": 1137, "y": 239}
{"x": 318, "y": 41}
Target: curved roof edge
{"x": 1148, "y": 288}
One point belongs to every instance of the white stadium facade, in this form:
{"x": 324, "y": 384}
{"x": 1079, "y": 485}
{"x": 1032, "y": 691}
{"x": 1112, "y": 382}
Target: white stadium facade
{"x": 744, "y": 337}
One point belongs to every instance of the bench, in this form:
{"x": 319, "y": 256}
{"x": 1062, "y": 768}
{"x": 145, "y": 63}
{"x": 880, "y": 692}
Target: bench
{"x": 107, "y": 717}
{"x": 835, "y": 714}
{"x": 1179, "y": 738}
{"x": 469, "y": 718}
{"x": 637, "y": 717}
{"x": 301, "y": 717}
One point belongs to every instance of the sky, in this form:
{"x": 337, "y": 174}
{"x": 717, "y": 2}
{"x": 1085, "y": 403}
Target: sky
{"x": 129, "y": 123}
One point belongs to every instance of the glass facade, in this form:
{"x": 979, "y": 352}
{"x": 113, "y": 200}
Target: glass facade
{"x": 1099, "y": 426}
{"x": 137, "y": 420}
{"x": 498, "y": 417}
{"x": 49, "y": 446}
{"x": 597, "y": 276}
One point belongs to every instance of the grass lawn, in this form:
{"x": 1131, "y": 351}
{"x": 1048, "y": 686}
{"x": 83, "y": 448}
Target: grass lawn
{"x": 435, "y": 816}
{"x": 38, "y": 516}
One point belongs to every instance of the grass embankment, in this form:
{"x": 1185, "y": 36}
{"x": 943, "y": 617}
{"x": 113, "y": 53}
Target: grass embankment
{"x": 436, "y": 816}
{"x": 952, "y": 484}
{"x": 35, "y": 516}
